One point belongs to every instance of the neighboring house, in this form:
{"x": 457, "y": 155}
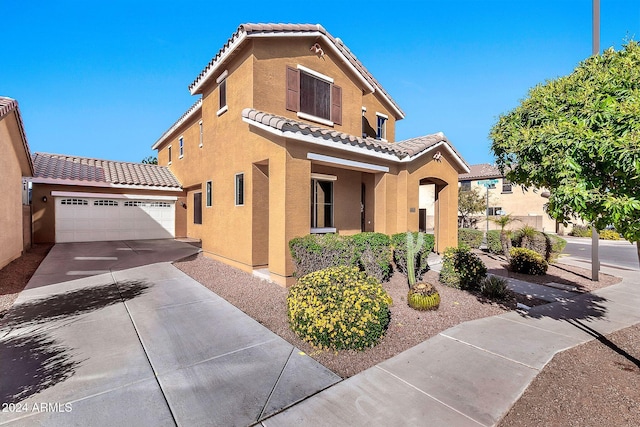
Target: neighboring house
{"x": 77, "y": 199}
{"x": 15, "y": 165}
{"x": 292, "y": 135}
{"x": 527, "y": 206}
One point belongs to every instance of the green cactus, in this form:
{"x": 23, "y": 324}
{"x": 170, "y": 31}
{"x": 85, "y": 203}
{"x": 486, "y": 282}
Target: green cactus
{"x": 423, "y": 296}
{"x": 412, "y": 250}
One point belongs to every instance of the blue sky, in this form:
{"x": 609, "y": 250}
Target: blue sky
{"x": 106, "y": 79}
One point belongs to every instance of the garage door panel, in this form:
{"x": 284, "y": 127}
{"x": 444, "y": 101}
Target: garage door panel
{"x": 97, "y": 219}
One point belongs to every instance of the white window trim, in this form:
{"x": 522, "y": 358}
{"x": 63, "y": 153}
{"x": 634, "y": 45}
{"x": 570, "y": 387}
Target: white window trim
{"x": 208, "y": 193}
{"x": 313, "y": 118}
{"x": 201, "y": 133}
{"x": 235, "y": 184}
{"x": 222, "y": 110}
{"x": 181, "y": 147}
{"x": 222, "y": 76}
{"x": 323, "y": 230}
{"x": 384, "y": 116}
{"x": 315, "y": 73}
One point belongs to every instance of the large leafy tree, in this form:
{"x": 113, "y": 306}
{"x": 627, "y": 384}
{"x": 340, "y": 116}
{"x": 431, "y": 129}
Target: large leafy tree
{"x": 579, "y": 136}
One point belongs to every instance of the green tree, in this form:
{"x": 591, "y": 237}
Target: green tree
{"x": 470, "y": 202}
{"x": 579, "y": 136}
{"x": 150, "y": 160}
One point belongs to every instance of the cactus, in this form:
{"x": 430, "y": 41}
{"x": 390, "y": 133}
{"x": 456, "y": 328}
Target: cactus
{"x": 412, "y": 249}
{"x": 423, "y": 296}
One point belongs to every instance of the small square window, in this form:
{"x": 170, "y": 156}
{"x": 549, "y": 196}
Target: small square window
{"x": 181, "y": 140}
{"x": 465, "y": 185}
{"x": 506, "y": 186}
{"x": 239, "y": 189}
{"x": 209, "y": 188}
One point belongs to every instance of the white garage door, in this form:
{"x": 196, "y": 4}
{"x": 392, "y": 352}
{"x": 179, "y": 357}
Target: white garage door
{"x": 83, "y": 219}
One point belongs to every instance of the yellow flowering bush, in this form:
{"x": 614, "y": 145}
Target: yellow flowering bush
{"x": 339, "y": 308}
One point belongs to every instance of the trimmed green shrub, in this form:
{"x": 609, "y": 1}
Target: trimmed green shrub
{"x": 527, "y": 261}
{"x": 581, "y": 231}
{"x": 339, "y": 308}
{"x": 314, "y": 252}
{"x": 373, "y": 252}
{"x": 423, "y": 296}
{"x": 494, "y": 245}
{"x": 470, "y": 237}
{"x": 494, "y": 287}
{"x": 609, "y": 235}
{"x": 399, "y": 242}
{"x": 462, "y": 269}
{"x": 529, "y": 238}
{"x": 557, "y": 246}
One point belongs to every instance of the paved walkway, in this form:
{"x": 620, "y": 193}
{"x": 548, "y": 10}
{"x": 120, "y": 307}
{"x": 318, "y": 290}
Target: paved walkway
{"x": 150, "y": 346}
{"x": 471, "y": 374}
{"x": 144, "y": 346}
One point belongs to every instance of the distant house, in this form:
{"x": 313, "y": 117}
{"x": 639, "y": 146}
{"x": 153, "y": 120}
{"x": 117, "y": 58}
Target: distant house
{"x": 15, "y": 165}
{"x": 527, "y": 206}
{"x": 292, "y": 135}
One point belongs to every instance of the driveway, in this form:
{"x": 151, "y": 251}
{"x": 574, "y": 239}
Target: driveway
{"x": 110, "y": 333}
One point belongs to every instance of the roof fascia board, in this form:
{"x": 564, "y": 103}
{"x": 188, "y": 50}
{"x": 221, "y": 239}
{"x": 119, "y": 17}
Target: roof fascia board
{"x": 319, "y": 141}
{"x": 447, "y": 147}
{"x": 56, "y": 181}
{"x": 111, "y": 195}
{"x": 196, "y": 107}
{"x": 214, "y": 68}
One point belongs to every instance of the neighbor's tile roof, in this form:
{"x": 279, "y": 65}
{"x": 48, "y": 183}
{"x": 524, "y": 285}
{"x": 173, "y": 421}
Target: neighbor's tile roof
{"x": 481, "y": 171}
{"x": 261, "y": 30}
{"x": 57, "y": 166}
{"x": 400, "y": 150}
{"x": 8, "y": 105}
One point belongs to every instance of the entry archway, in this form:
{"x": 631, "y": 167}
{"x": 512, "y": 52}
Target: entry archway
{"x": 429, "y": 207}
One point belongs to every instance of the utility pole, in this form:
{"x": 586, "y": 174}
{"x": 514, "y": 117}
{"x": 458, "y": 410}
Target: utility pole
{"x": 595, "y": 261}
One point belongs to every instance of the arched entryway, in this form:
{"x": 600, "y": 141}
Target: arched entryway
{"x": 429, "y": 207}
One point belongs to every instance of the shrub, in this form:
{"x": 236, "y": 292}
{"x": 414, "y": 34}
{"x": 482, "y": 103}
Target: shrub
{"x": 494, "y": 245}
{"x": 609, "y": 235}
{"x": 423, "y": 296}
{"x": 581, "y": 231}
{"x": 462, "y": 269}
{"x": 527, "y": 261}
{"x": 529, "y": 238}
{"x": 373, "y": 252}
{"x": 399, "y": 242}
{"x": 557, "y": 246}
{"x": 338, "y": 308}
{"x": 314, "y": 252}
{"x": 470, "y": 237}
{"x": 494, "y": 287}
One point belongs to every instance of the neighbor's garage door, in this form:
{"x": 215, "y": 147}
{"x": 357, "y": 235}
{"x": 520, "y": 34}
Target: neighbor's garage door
{"x": 93, "y": 219}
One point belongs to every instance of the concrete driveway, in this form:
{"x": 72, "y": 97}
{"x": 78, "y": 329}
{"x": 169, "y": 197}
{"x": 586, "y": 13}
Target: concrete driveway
{"x": 110, "y": 333}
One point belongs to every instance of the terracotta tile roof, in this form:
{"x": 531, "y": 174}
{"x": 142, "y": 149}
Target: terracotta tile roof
{"x": 8, "y": 105}
{"x": 261, "y": 30}
{"x": 481, "y": 171}
{"x": 399, "y": 150}
{"x": 73, "y": 168}
{"x": 192, "y": 110}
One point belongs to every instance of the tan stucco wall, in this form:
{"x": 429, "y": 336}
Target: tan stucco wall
{"x": 13, "y": 156}
{"x": 527, "y": 206}
{"x": 44, "y": 213}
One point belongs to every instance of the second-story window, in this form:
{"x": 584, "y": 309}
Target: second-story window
{"x": 506, "y": 186}
{"x": 181, "y": 147}
{"x": 222, "y": 92}
{"x": 313, "y": 96}
{"x": 382, "y": 126}
{"x": 465, "y": 185}
{"x": 201, "y": 133}
{"x": 169, "y": 153}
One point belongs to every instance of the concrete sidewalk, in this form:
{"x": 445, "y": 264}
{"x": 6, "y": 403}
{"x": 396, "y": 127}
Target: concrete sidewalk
{"x": 471, "y": 374}
{"x": 141, "y": 346}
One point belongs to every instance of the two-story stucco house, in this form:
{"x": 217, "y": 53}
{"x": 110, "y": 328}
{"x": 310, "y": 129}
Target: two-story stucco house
{"x": 292, "y": 135}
